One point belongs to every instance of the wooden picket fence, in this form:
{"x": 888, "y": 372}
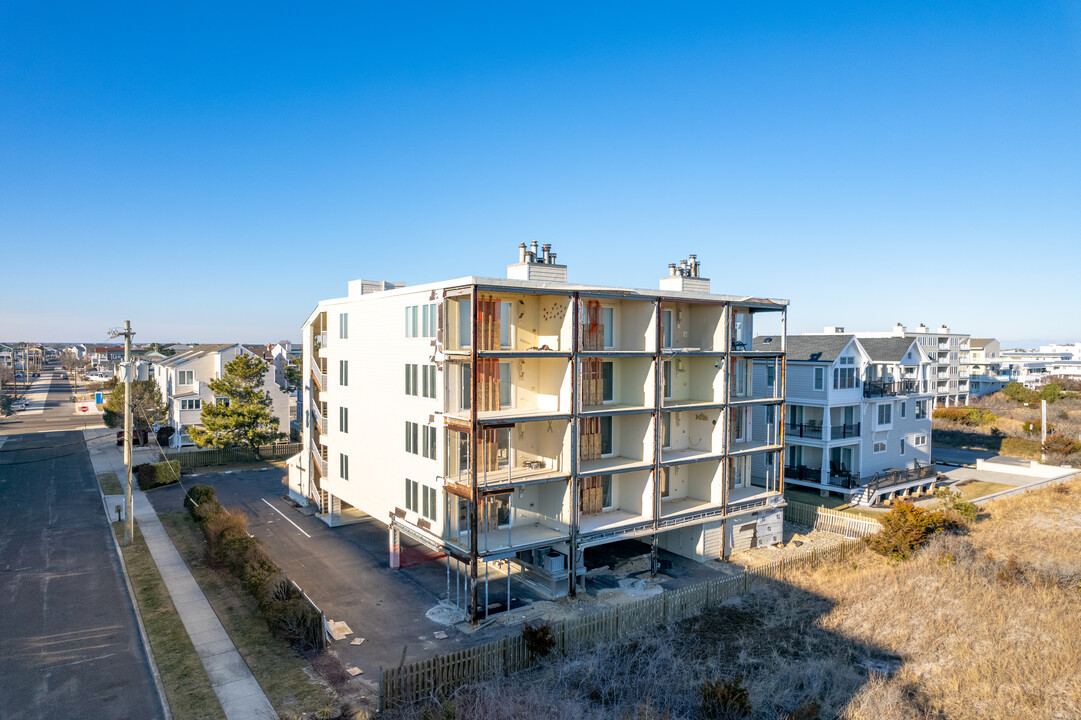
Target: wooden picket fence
{"x": 224, "y": 456}
{"x": 434, "y": 680}
{"x": 851, "y": 525}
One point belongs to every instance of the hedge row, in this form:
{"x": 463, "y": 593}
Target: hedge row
{"x": 285, "y": 609}
{"x": 965, "y": 416}
{"x": 152, "y": 475}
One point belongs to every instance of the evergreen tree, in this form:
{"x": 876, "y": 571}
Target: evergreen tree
{"x": 146, "y": 405}
{"x": 244, "y": 420}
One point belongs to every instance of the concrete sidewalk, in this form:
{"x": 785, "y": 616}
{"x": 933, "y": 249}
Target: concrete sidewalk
{"x": 238, "y": 692}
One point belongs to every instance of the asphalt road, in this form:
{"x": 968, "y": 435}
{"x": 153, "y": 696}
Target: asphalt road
{"x": 69, "y": 643}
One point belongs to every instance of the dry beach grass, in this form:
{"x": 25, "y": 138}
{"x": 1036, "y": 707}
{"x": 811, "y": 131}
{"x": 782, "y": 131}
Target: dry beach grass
{"x": 982, "y": 625}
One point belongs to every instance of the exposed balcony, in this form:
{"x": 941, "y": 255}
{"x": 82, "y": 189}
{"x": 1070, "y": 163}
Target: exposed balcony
{"x": 519, "y": 454}
{"x": 842, "y": 432}
{"x": 508, "y": 322}
{"x": 809, "y": 429}
{"x": 879, "y": 388}
{"x": 802, "y": 472}
{"x": 320, "y": 462}
{"x": 610, "y": 502}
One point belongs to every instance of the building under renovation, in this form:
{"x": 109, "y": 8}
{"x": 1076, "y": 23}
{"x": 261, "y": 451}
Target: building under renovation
{"x": 512, "y": 423}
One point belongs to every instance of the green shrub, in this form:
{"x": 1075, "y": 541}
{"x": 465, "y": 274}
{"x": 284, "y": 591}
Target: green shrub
{"x": 539, "y": 639}
{"x": 1020, "y": 448}
{"x": 152, "y": 475}
{"x": 906, "y": 527}
{"x": 971, "y": 417}
{"x": 953, "y": 502}
{"x": 1019, "y": 393}
{"x": 725, "y": 699}
{"x": 196, "y": 496}
{"x": 1051, "y": 392}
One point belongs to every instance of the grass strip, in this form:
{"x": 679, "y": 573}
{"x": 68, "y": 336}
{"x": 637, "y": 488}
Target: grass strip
{"x": 109, "y": 484}
{"x": 278, "y": 670}
{"x": 187, "y": 686}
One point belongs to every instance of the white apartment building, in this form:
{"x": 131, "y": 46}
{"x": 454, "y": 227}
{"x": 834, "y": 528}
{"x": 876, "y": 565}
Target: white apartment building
{"x": 184, "y": 378}
{"x": 513, "y": 423}
{"x": 948, "y": 351}
{"x": 985, "y": 369}
{"x": 858, "y": 414}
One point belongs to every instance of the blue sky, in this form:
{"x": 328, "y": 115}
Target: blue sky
{"x": 211, "y": 172}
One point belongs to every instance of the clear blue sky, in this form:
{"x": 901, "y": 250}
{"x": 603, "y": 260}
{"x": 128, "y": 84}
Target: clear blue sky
{"x": 211, "y": 171}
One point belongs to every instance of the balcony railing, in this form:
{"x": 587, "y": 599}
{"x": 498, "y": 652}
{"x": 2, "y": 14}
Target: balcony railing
{"x": 843, "y": 478}
{"x": 802, "y": 472}
{"x": 878, "y": 388}
{"x": 804, "y": 430}
{"x": 320, "y": 420}
{"x": 840, "y": 432}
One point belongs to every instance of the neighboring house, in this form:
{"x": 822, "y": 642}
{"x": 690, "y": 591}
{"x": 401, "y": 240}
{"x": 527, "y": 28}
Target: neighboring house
{"x": 7, "y": 356}
{"x": 857, "y": 414}
{"x": 948, "y": 352}
{"x": 985, "y": 367}
{"x": 513, "y": 424}
{"x": 183, "y": 380}
{"x": 106, "y": 357}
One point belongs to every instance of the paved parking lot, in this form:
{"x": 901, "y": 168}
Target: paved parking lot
{"x": 344, "y": 570}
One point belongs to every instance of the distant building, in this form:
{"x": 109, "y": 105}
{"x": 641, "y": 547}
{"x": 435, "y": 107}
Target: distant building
{"x": 985, "y": 367}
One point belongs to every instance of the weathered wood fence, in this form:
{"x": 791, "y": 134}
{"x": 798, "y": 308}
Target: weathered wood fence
{"x": 223, "y": 456}
{"x": 433, "y": 680}
{"x": 851, "y": 525}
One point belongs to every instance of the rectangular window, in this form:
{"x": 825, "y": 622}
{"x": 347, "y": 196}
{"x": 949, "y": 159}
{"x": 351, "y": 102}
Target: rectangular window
{"x": 343, "y": 372}
{"x": 902, "y": 446}
{"x": 415, "y": 326}
{"x": 430, "y": 513}
{"x": 413, "y": 369}
{"x": 771, "y": 375}
{"x": 608, "y": 321}
{"x": 412, "y": 495}
{"x": 467, "y": 395}
{"x": 343, "y": 326}
{"x": 879, "y": 447}
{"x": 222, "y": 401}
{"x": 740, "y": 424}
{"x": 428, "y": 449}
{"x": 465, "y": 323}
{"x": 666, "y": 371}
{"x": 408, "y": 380}
{"x": 424, "y": 387}
{"x": 193, "y": 404}
{"x": 429, "y": 375}
{"x": 607, "y": 380}
{"x": 505, "y": 388}
{"x": 433, "y": 319}
{"x": 885, "y": 414}
{"x": 904, "y": 406}
{"x": 920, "y": 440}
{"x": 504, "y": 324}
{"x": 424, "y": 322}
{"x": 606, "y": 436}
{"x": 412, "y": 437}
{"x": 921, "y": 409}
{"x": 343, "y": 466}
{"x": 741, "y": 378}
{"x": 667, "y": 315}
{"x": 606, "y": 492}
{"x": 343, "y": 419}
{"x": 185, "y": 377}
{"x": 820, "y": 378}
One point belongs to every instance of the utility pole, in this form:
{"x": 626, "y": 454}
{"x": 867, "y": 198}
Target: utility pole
{"x": 1043, "y": 429}
{"x": 128, "y": 372}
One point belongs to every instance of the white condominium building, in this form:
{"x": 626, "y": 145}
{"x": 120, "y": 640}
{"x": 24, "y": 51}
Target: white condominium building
{"x": 512, "y": 423}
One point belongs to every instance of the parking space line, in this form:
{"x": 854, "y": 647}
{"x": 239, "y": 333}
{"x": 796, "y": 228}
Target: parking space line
{"x": 286, "y": 519}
